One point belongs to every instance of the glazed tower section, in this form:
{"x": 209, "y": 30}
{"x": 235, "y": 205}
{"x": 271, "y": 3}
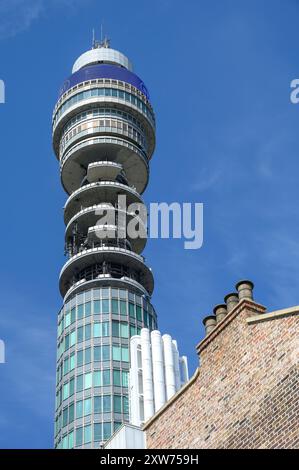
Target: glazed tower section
{"x": 103, "y": 137}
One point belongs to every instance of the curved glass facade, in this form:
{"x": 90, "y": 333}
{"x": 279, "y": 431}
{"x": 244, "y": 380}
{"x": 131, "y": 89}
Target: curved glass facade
{"x": 94, "y": 329}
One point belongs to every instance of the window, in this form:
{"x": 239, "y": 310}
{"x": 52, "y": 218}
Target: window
{"x": 101, "y": 329}
{"x": 87, "y": 358}
{"x": 132, "y": 330}
{"x": 106, "y": 404}
{"x": 87, "y": 332}
{"x": 98, "y": 404}
{"x": 125, "y": 405}
{"x": 72, "y": 361}
{"x": 79, "y": 384}
{"x": 115, "y": 329}
{"x": 116, "y": 377}
{"x": 125, "y": 378}
{"x": 66, "y": 342}
{"x": 87, "y": 434}
{"x": 123, "y": 307}
{"x": 72, "y": 386}
{"x": 79, "y": 436}
{"x": 88, "y": 309}
{"x": 66, "y": 391}
{"x": 79, "y": 409}
{"x": 71, "y": 413}
{"x": 67, "y": 319}
{"x": 73, "y": 315}
{"x": 131, "y": 310}
{"x": 114, "y": 306}
{"x": 116, "y": 353}
{"x": 80, "y": 358}
{"x": 105, "y": 353}
{"x": 105, "y": 306}
{"x": 80, "y": 334}
{"x": 138, "y": 313}
{"x": 80, "y": 312}
{"x": 97, "y": 378}
{"x": 97, "y": 353}
{"x": 87, "y": 380}
{"x": 96, "y": 307}
{"x": 106, "y": 377}
{"x": 117, "y": 403}
{"x": 125, "y": 354}
{"x": 87, "y": 406}
{"x": 71, "y": 440}
{"x": 145, "y": 316}
{"x": 98, "y": 432}
{"x": 66, "y": 366}
{"x": 124, "y": 330}
{"x": 73, "y": 338}
{"x": 106, "y": 430}
{"x": 64, "y": 417}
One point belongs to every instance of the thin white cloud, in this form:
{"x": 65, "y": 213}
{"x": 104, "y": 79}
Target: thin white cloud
{"x": 16, "y": 16}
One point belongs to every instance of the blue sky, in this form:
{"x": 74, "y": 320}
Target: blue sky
{"x": 219, "y": 74}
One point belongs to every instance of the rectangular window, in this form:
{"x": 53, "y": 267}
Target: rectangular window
{"x": 66, "y": 366}
{"x": 131, "y": 310}
{"x": 97, "y": 353}
{"x": 105, "y": 306}
{"x": 115, "y": 329}
{"x": 65, "y": 417}
{"x": 66, "y": 391}
{"x": 123, "y": 307}
{"x": 96, "y": 307}
{"x": 80, "y": 312}
{"x": 88, "y": 380}
{"x": 80, "y": 334}
{"x": 106, "y": 377}
{"x": 101, "y": 329}
{"x": 116, "y": 377}
{"x": 73, "y": 338}
{"x": 132, "y": 330}
{"x": 106, "y": 430}
{"x": 97, "y": 377}
{"x": 67, "y": 319}
{"x": 71, "y": 413}
{"x": 87, "y": 332}
{"x": 98, "y": 404}
{"x": 79, "y": 436}
{"x": 145, "y": 318}
{"x": 138, "y": 313}
{"x": 87, "y": 434}
{"x": 79, "y": 385}
{"x": 71, "y": 440}
{"x": 66, "y": 342}
{"x": 87, "y": 356}
{"x": 72, "y": 387}
{"x": 124, "y": 330}
{"x": 87, "y": 406}
{"x": 80, "y": 358}
{"x": 88, "y": 309}
{"x": 106, "y": 403}
{"x": 125, "y": 405}
{"x": 73, "y": 315}
{"x": 98, "y": 432}
{"x": 125, "y": 378}
{"x": 72, "y": 361}
{"x": 114, "y": 306}
{"x": 117, "y": 403}
{"x": 79, "y": 409}
{"x": 116, "y": 353}
{"x": 125, "y": 354}
{"x": 105, "y": 353}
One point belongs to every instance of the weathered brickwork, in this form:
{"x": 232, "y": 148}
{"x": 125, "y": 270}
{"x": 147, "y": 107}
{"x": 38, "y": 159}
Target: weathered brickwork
{"x": 245, "y": 393}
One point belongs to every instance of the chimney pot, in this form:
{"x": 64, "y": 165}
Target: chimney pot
{"x": 231, "y": 301}
{"x": 209, "y": 323}
{"x": 220, "y": 311}
{"x": 245, "y": 289}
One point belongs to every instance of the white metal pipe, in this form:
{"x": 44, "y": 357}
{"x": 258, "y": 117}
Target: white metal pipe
{"x": 169, "y": 366}
{"x": 133, "y": 383}
{"x": 158, "y": 369}
{"x": 176, "y": 359}
{"x": 147, "y": 374}
{"x": 184, "y": 369}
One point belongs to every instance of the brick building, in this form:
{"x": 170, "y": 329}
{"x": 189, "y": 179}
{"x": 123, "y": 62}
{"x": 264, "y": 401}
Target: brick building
{"x": 245, "y": 394}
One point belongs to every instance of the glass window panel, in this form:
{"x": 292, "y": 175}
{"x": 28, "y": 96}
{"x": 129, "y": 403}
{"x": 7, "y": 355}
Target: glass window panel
{"x": 122, "y": 294}
{"x": 73, "y": 315}
{"x": 96, "y": 307}
{"x": 117, "y": 403}
{"x": 87, "y": 355}
{"x": 125, "y": 405}
{"x": 97, "y": 353}
{"x": 88, "y": 309}
{"x": 67, "y": 319}
{"x": 125, "y": 378}
{"x": 79, "y": 385}
{"x": 105, "y": 306}
{"x": 87, "y": 332}
{"x": 72, "y": 361}
{"x": 115, "y": 329}
{"x": 66, "y": 366}
{"x": 114, "y": 306}
{"x": 106, "y": 403}
{"x": 80, "y": 312}
{"x": 116, "y": 353}
{"x": 106, "y": 377}
{"x": 66, "y": 342}
{"x": 125, "y": 354}
{"x": 123, "y": 307}
{"x": 73, "y": 338}
{"x": 132, "y": 330}
{"x": 80, "y": 334}
{"x": 105, "y": 329}
{"x": 106, "y": 430}
{"x": 66, "y": 391}
{"x": 98, "y": 378}
{"x": 87, "y": 406}
{"x": 79, "y": 436}
{"x": 71, "y": 440}
{"x": 105, "y": 353}
{"x": 117, "y": 425}
{"x": 79, "y": 409}
{"x": 105, "y": 292}
{"x": 114, "y": 293}
{"x": 145, "y": 318}
{"x": 116, "y": 377}
{"x": 138, "y": 313}
{"x": 97, "y": 330}
{"x": 80, "y": 358}
{"x": 88, "y": 380}
{"x": 65, "y": 442}
{"x": 71, "y": 413}
{"x": 124, "y": 330}
{"x": 87, "y": 434}
{"x": 64, "y": 417}
{"x": 98, "y": 432}
{"x": 72, "y": 386}
{"x": 131, "y": 310}
{"x": 98, "y": 404}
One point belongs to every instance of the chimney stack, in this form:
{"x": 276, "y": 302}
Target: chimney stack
{"x": 245, "y": 289}
{"x": 231, "y": 301}
{"x": 209, "y": 323}
{"x": 220, "y": 311}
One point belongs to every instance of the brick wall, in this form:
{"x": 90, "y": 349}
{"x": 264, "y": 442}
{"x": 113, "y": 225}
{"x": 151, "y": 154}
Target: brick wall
{"x": 245, "y": 393}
